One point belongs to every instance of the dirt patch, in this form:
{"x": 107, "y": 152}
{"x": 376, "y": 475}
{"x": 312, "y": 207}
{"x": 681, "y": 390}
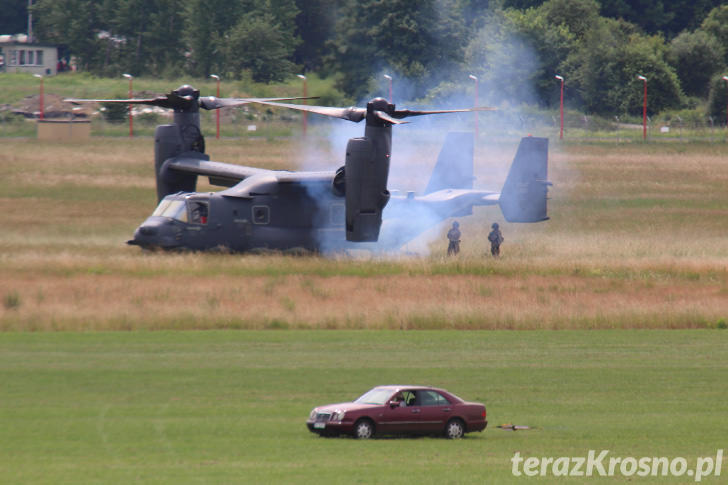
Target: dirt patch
{"x": 53, "y": 107}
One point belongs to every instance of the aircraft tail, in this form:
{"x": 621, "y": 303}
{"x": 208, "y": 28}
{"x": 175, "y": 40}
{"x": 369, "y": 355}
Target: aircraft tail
{"x": 454, "y": 168}
{"x": 524, "y": 194}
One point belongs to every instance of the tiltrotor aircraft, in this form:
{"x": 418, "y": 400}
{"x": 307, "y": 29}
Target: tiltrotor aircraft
{"x": 342, "y": 209}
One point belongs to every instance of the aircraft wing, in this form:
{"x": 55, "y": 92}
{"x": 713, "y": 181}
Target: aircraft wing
{"x": 223, "y": 174}
{"x": 229, "y": 175}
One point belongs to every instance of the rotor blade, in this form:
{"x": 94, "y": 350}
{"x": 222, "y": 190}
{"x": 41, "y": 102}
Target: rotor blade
{"x": 351, "y": 114}
{"x": 404, "y": 113}
{"x": 125, "y": 101}
{"x": 385, "y": 117}
{"x": 168, "y": 101}
{"x": 212, "y": 102}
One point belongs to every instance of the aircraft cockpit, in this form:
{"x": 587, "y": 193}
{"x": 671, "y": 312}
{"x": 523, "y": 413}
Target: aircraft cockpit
{"x": 172, "y": 208}
{"x": 183, "y": 209}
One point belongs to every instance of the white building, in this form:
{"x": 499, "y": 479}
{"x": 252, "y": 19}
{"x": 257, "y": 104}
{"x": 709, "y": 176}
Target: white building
{"x": 17, "y": 55}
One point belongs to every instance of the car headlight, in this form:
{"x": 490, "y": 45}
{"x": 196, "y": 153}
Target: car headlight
{"x": 338, "y": 416}
{"x": 312, "y": 416}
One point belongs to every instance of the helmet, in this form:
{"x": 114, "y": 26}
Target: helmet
{"x": 455, "y": 224}
{"x": 495, "y": 225}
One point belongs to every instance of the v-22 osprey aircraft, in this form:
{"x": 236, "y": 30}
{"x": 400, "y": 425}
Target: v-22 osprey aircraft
{"x": 347, "y": 208}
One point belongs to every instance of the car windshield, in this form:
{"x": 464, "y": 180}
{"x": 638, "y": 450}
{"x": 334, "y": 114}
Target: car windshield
{"x": 375, "y": 396}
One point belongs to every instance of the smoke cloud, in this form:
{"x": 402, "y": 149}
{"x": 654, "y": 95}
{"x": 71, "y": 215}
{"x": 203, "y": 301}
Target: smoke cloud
{"x": 504, "y": 65}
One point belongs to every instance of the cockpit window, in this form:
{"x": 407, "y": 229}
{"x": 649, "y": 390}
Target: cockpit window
{"x": 161, "y": 207}
{"x": 172, "y": 208}
{"x": 198, "y": 212}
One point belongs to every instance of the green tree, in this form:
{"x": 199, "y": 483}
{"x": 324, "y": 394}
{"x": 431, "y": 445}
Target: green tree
{"x": 206, "y": 23}
{"x": 603, "y": 71}
{"x": 716, "y": 24}
{"x": 14, "y": 18}
{"x": 314, "y": 26}
{"x": 550, "y": 44}
{"x": 74, "y": 23}
{"x": 718, "y": 99}
{"x": 422, "y": 42}
{"x": 696, "y": 57}
{"x": 506, "y": 63}
{"x": 144, "y": 37}
{"x": 578, "y": 16}
{"x": 660, "y": 16}
{"x": 258, "y": 44}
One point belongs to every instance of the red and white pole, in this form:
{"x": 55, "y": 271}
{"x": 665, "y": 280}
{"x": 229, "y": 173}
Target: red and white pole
{"x": 644, "y": 107}
{"x": 217, "y": 124}
{"x": 725, "y": 78}
{"x": 305, "y": 94}
{"x": 131, "y": 96}
{"x": 561, "y": 106}
{"x": 40, "y": 101}
{"x": 475, "y": 105}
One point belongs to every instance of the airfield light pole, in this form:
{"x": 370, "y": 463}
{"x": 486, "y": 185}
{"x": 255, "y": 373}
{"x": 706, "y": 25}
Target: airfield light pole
{"x": 389, "y": 79}
{"x": 40, "y": 101}
{"x": 131, "y": 95}
{"x": 644, "y": 107}
{"x": 561, "y": 106}
{"x": 217, "y": 78}
{"x": 305, "y": 94}
{"x": 475, "y": 105}
{"x": 725, "y": 78}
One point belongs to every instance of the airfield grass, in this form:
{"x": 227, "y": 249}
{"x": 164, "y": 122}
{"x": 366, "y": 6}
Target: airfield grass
{"x": 636, "y": 239}
{"x": 230, "y": 406}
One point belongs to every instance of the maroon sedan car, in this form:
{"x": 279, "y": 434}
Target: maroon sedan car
{"x": 399, "y": 410}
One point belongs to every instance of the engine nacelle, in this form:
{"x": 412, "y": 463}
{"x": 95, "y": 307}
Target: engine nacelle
{"x": 365, "y": 178}
{"x": 168, "y": 143}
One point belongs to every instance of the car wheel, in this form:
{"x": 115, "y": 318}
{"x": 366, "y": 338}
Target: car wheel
{"x": 454, "y": 429}
{"x": 363, "y": 429}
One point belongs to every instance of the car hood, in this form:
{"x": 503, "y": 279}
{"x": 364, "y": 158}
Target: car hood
{"x": 345, "y": 406}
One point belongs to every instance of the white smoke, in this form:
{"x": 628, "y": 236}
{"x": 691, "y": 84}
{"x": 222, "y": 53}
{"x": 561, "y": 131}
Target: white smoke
{"x": 504, "y": 65}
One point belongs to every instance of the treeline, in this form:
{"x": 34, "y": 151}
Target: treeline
{"x": 430, "y": 47}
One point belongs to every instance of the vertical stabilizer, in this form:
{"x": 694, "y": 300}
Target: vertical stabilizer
{"x": 454, "y": 168}
{"x": 524, "y": 195}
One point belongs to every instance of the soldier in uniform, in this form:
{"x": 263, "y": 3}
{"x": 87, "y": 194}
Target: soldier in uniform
{"x": 453, "y": 235}
{"x": 496, "y": 239}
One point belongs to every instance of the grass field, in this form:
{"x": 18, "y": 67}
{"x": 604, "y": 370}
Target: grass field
{"x": 230, "y": 406}
{"x": 636, "y": 240}
{"x": 88, "y": 394}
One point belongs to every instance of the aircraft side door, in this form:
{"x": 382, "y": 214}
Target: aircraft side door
{"x": 196, "y": 228}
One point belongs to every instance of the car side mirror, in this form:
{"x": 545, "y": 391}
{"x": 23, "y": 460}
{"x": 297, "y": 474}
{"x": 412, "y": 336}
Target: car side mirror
{"x": 393, "y": 404}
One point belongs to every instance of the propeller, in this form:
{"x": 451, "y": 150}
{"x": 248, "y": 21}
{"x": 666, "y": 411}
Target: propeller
{"x": 184, "y": 99}
{"x": 351, "y": 114}
{"x": 378, "y": 107}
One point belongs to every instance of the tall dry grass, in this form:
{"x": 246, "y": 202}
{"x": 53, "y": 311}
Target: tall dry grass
{"x": 636, "y": 239}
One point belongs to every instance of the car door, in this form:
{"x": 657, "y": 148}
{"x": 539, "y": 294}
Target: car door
{"x": 403, "y": 417}
{"x": 435, "y": 410}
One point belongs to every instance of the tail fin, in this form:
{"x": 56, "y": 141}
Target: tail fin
{"x": 523, "y": 198}
{"x": 454, "y": 168}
